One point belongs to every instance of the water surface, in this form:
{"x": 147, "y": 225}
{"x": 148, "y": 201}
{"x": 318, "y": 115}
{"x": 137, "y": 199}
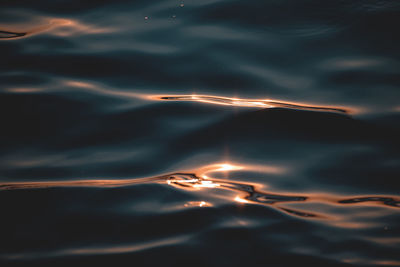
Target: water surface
{"x": 200, "y": 132}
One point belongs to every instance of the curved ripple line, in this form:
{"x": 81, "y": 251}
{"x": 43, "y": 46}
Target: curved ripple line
{"x": 247, "y": 193}
{"x": 241, "y": 102}
{"x": 384, "y": 200}
{"x": 80, "y": 183}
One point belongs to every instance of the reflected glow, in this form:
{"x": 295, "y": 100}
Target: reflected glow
{"x": 241, "y": 200}
{"x": 182, "y": 181}
{"x": 68, "y": 27}
{"x": 228, "y": 167}
{"x": 129, "y": 95}
{"x": 219, "y": 167}
{"x": 251, "y": 193}
{"x": 207, "y": 184}
{"x": 198, "y": 204}
{"x": 80, "y": 183}
{"x": 55, "y": 26}
{"x": 24, "y": 90}
{"x": 241, "y": 102}
{"x": 220, "y": 101}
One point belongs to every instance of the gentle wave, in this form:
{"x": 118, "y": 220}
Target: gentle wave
{"x": 111, "y": 112}
{"x": 103, "y": 250}
{"x": 239, "y": 102}
{"x": 248, "y": 193}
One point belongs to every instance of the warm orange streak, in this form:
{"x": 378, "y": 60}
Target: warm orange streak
{"x": 202, "y": 179}
{"x": 207, "y": 184}
{"x": 80, "y": 183}
{"x": 198, "y": 204}
{"x": 227, "y": 167}
{"x": 24, "y": 90}
{"x": 58, "y": 27}
{"x": 219, "y": 167}
{"x": 216, "y": 100}
{"x": 242, "y": 102}
{"x": 241, "y": 200}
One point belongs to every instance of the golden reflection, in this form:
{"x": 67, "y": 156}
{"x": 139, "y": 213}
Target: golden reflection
{"x": 182, "y": 180}
{"x": 68, "y": 27}
{"x": 229, "y": 166}
{"x": 241, "y": 102}
{"x": 219, "y": 167}
{"x": 218, "y": 100}
{"x": 56, "y": 26}
{"x": 80, "y": 183}
{"x": 202, "y": 178}
{"x": 207, "y": 184}
{"x": 24, "y": 90}
{"x": 241, "y": 200}
{"x": 198, "y": 204}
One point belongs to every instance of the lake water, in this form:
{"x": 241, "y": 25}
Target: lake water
{"x": 200, "y": 133}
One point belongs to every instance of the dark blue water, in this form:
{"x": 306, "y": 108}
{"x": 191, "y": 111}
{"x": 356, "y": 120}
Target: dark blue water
{"x": 200, "y": 133}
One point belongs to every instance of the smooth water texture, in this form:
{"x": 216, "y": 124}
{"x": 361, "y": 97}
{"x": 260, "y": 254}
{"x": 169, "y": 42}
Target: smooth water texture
{"x": 200, "y": 133}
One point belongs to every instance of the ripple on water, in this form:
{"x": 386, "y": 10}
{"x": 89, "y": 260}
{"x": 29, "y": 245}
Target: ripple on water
{"x": 248, "y": 193}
